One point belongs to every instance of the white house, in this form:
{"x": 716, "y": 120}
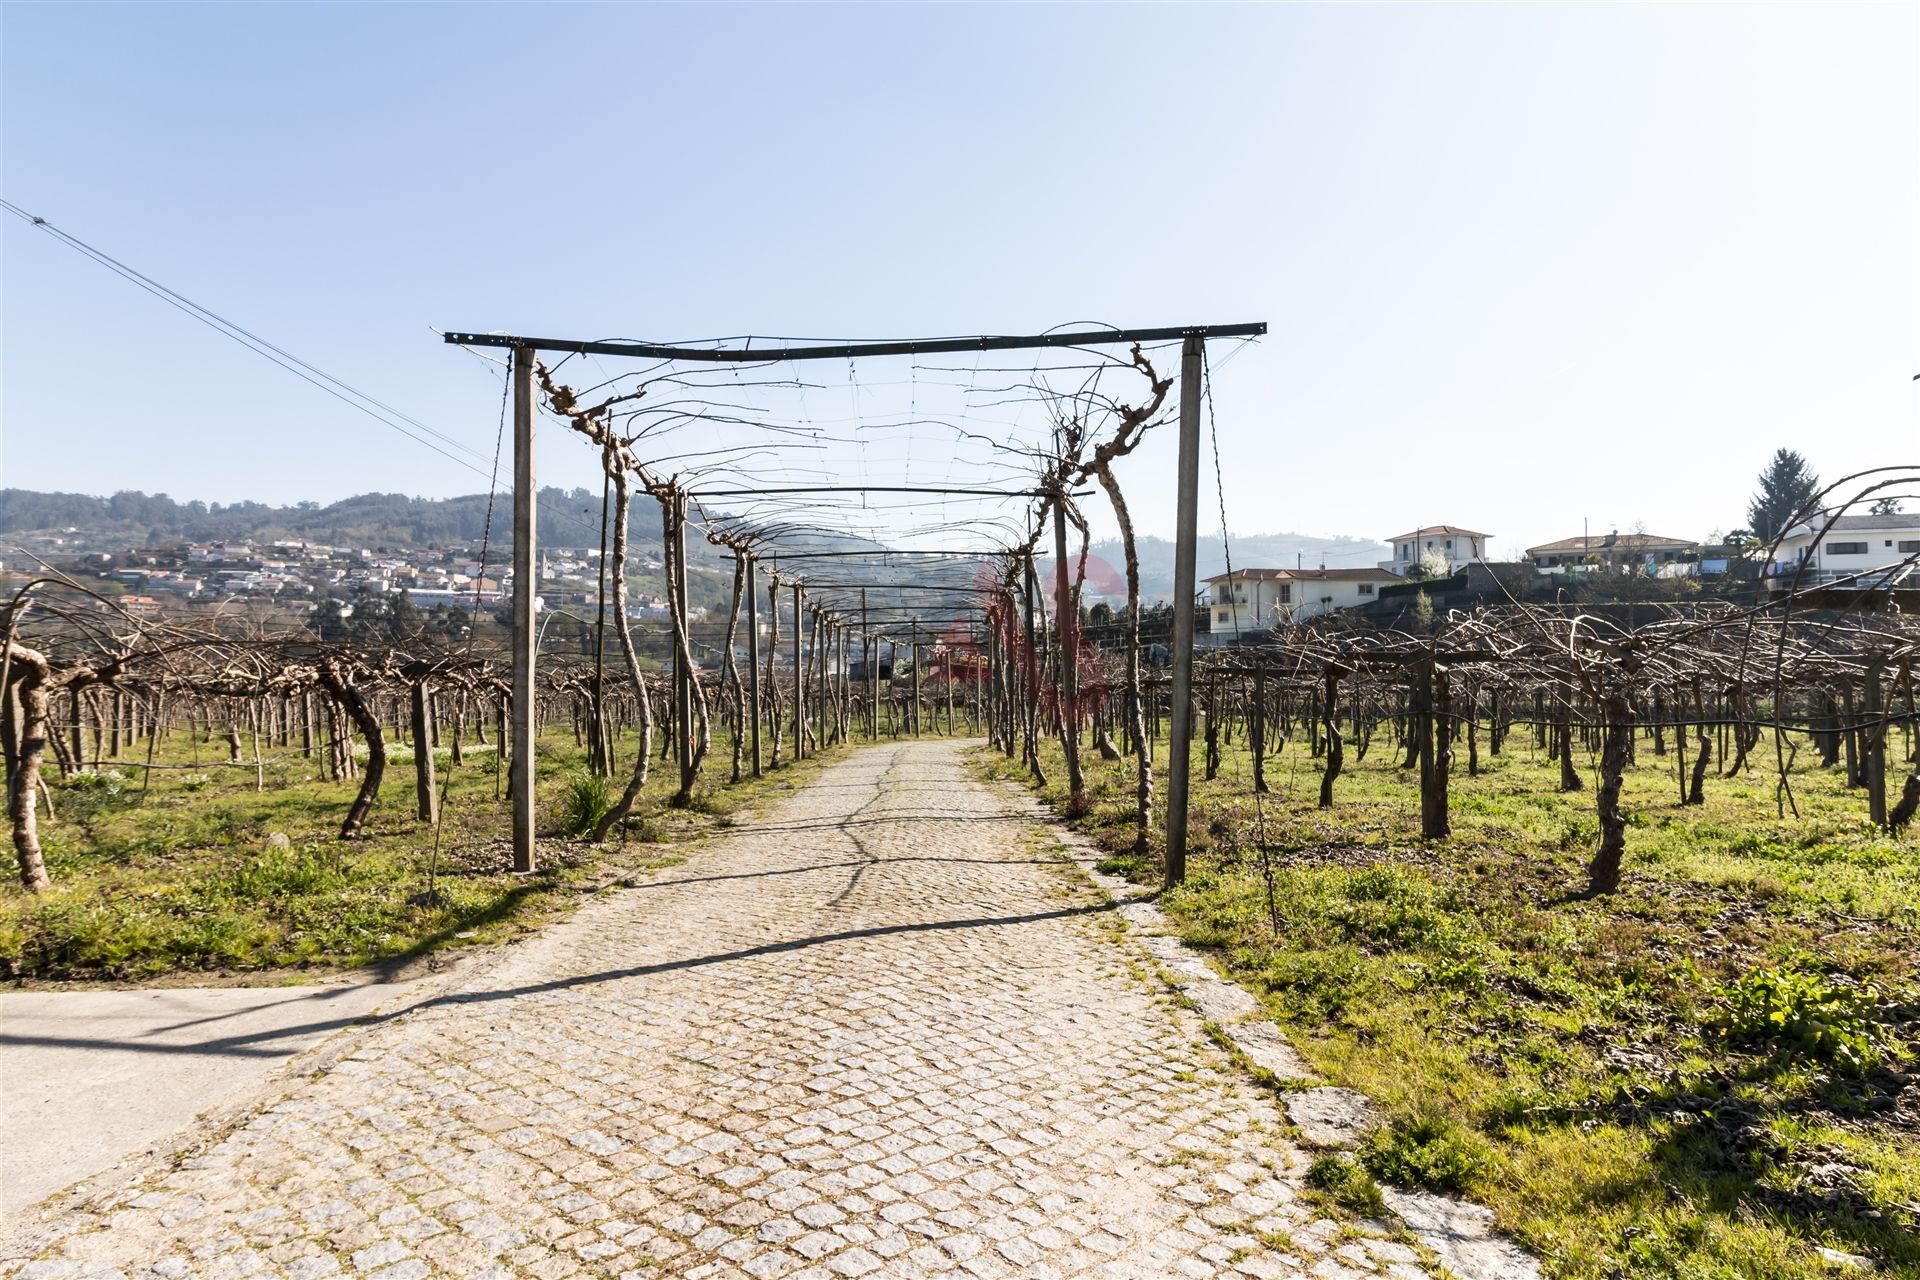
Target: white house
{"x": 1853, "y": 545}
{"x": 1254, "y": 599}
{"x": 1458, "y": 547}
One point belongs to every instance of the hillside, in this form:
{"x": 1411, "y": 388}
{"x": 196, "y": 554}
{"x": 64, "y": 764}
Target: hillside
{"x": 568, "y": 518}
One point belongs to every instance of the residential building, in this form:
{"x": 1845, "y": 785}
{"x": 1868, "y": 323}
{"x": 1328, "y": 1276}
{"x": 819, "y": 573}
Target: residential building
{"x": 1614, "y": 552}
{"x": 1449, "y": 542}
{"x": 1852, "y": 545}
{"x": 1255, "y": 599}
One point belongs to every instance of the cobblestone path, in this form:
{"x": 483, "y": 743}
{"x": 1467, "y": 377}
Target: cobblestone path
{"x": 877, "y": 1030}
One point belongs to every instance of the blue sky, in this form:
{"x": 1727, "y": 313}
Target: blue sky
{"x": 1524, "y": 266}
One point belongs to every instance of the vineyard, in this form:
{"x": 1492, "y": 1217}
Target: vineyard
{"x": 1616, "y": 923}
{"x": 1612, "y": 914}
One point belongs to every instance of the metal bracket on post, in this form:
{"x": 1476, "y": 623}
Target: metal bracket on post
{"x": 1180, "y": 740}
{"x": 525, "y": 589}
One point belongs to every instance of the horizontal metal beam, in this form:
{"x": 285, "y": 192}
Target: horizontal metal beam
{"x": 857, "y": 350}
{"x": 767, "y": 557}
{"x": 938, "y": 490}
{"x": 828, "y": 584}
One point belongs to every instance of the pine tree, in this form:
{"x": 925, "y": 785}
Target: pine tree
{"x": 1785, "y": 486}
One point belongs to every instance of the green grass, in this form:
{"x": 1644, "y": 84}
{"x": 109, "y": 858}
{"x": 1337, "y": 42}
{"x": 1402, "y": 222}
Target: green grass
{"x": 1695, "y": 1076}
{"x": 189, "y": 875}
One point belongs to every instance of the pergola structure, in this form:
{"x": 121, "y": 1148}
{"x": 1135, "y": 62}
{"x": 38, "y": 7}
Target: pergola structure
{"x": 946, "y": 603}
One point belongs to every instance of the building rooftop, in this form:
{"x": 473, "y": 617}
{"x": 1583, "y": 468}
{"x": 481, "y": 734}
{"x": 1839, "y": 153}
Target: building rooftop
{"x": 1317, "y": 575}
{"x": 1249, "y": 573}
{"x": 1610, "y": 542}
{"x": 1860, "y": 524}
{"x": 1441, "y": 530}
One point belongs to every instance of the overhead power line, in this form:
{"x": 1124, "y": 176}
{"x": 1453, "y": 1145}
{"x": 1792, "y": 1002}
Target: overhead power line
{"x": 346, "y": 393}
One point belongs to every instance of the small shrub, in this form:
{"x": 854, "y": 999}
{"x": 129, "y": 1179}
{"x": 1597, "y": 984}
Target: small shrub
{"x": 196, "y": 782}
{"x": 107, "y": 781}
{"x": 584, "y": 802}
{"x": 1805, "y": 1012}
{"x": 1431, "y": 1152}
{"x": 1347, "y": 1184}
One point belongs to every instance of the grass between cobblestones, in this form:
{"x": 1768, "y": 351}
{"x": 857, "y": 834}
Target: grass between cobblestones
{"x": 185, "y": 880}
{"x": 1707, "y": 1074}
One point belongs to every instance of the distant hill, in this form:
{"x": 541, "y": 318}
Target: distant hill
{"x": 568, "y": 518}
{"x": 394, "y": 521}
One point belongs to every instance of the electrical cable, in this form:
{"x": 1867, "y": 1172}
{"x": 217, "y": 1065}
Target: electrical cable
{"x": 376, "y": 409}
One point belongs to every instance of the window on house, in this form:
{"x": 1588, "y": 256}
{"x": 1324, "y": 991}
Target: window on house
{"x": 1366, "y": 588}
{"x": 1846, "y": 548}
{"x": 1449, "y": 544}
{"x": 1908, "y": 546}
{"x": 1286, "y": 593}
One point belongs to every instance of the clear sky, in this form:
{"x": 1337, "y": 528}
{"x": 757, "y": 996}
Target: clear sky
{"x": 1525, "y": 266}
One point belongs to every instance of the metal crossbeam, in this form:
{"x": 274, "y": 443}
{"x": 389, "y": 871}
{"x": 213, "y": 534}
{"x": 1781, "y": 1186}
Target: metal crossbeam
{"x": 859, "y": 350}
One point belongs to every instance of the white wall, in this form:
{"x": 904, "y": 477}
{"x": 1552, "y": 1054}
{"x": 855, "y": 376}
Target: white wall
{"x": 1464, "y": 551}
{"x": 1261, "y": 602}
{"x": 1882, "y": 547}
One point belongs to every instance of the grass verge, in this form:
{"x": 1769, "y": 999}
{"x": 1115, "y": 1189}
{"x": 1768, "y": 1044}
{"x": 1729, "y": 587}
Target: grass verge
{"x": 1707, "y": 1074}
{"x": 211, "y": 871}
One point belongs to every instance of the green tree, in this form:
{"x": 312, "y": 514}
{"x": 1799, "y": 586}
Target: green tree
{"x": 404, "y": 619}
{"x": 1786, "y": 485}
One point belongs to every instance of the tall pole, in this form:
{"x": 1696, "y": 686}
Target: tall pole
{"x": 1029, "y": 678}
{"x": 1876, "y": 739}
{"x": 753, "y": 661}
{"x": 683, "y": 671}
{"x": 799, "y": 682}
{"x": 1065, "y": 625}
{"x": 1180, "y": 741}
{"x": 525, "y": 586}
{"x": 602, "y": 759}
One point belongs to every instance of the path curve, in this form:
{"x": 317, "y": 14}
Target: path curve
{"x": 880, "y": 1029}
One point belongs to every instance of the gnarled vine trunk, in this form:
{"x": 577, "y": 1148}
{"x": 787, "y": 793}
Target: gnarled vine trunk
{"x": 622, "y": 500}
{"x": 338, "y": 683}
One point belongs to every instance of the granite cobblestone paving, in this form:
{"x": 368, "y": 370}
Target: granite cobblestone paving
{"x": 877, "y": 1030}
